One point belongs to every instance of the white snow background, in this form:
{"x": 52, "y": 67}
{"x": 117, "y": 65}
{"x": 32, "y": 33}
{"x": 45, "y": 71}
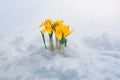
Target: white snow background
{"x": 93, "y": 51}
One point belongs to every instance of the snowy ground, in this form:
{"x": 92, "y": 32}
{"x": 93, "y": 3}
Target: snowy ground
{"x": 93, "y": 51}
{"x": 85, "y": 59}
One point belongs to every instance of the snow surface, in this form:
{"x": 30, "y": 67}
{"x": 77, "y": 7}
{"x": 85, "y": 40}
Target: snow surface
{"x": 93, "y": 51}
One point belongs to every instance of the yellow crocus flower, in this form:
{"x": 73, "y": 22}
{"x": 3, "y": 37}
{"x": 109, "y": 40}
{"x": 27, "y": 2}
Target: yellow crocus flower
{"x": 62, "y": 30}
{"x": 59, "y": 22}
{"x": 48, "y": 26}
{"x": 58, "y": 32}
{"x": 66, "y": 31}
{"x": 48, "y": 21}
{"x": 58, "y": 29}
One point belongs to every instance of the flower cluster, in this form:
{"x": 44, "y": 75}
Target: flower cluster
{"x": 60, "y": 30}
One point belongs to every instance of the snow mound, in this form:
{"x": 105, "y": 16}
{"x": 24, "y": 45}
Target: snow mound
{"x": 86, "y": 59}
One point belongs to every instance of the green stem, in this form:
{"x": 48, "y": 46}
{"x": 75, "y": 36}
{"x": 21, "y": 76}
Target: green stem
{"x": 57, "y": 43}
{"x": 44, "y": 40}
{"x": 51, "y": 45}
{"x": 62, "y": 50}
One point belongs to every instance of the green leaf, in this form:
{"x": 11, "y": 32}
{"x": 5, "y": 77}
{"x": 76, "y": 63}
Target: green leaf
{"x": 63, "y": 41}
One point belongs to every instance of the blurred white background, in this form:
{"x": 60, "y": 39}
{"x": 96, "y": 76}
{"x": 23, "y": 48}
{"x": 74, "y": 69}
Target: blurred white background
{"x": 85, "y": 16}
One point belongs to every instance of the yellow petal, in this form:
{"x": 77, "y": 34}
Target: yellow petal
{"x": 40, "y": 25}
{"x": 59, "y": 35}
{"x": 49, "y": 31}
{"x": 68, "y": 33}
{"x": 59, "y": 22}
{"x": 48, "y": 21}
{"x": 43, "y": 31}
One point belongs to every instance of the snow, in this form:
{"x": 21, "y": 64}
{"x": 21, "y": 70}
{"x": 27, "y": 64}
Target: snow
{"x": 93, "y": 51}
